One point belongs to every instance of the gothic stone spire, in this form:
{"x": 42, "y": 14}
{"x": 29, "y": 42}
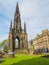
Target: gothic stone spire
{"x": 24, "y": 27}
{"x": 11, "y": 26}
{"x": 17, "y": 9}
{"x": 17, "y": 20}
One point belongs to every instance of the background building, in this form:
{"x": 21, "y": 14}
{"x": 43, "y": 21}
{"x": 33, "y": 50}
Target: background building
{"x": 41, "y": 42}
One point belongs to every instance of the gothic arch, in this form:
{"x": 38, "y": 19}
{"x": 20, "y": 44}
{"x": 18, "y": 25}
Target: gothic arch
{"x": 17, "y": 39}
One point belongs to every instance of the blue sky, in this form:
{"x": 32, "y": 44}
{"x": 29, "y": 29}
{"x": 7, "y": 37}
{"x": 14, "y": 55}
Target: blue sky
{"x": 34, "y": 12}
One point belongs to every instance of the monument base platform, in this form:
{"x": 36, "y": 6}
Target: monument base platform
{"x": 11, "y": 54}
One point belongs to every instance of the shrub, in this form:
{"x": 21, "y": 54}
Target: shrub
{"x": 25, "y": 52}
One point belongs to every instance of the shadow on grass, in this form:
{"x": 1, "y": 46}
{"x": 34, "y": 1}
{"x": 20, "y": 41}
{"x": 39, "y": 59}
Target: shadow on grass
{"x": 45, "y": 56}
{"x": 1, "y": 60}
{"x": 33, "y": 61}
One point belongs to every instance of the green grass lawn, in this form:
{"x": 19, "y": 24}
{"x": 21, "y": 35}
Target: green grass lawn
{"x": 21, "y": 59}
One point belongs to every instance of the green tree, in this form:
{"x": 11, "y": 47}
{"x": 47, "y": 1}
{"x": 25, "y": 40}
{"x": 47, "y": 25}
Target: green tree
{"x": 6, "y": 48}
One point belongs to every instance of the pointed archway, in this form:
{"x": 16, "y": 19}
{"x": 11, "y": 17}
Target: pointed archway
{"x": 17, "y": 43}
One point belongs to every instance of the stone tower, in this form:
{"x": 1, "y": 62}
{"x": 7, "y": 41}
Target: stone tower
{"x": 17, "y": 33}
